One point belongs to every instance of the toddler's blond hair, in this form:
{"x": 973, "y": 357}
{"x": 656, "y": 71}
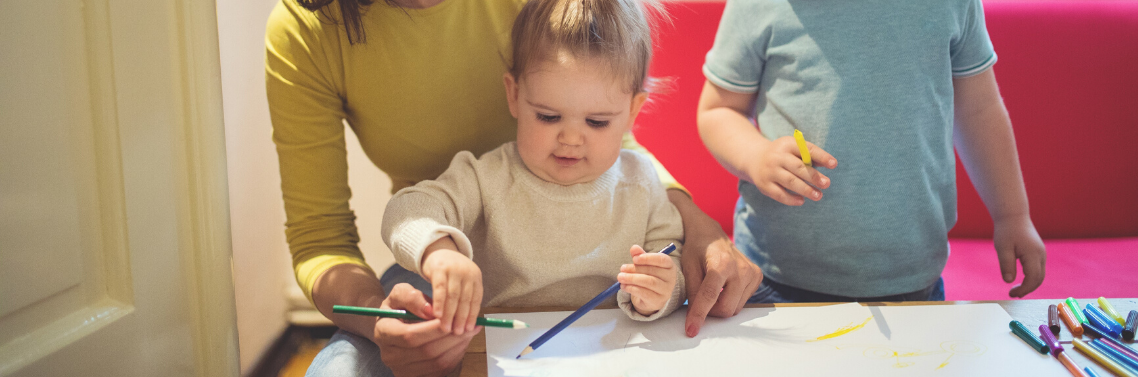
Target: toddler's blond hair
{"x": 617, "y": 32}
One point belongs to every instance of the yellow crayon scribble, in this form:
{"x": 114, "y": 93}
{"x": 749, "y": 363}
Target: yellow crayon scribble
{"x": 842, "y": 331}
{"x": 945, "y": 363}
{"x": 907, "y": 358}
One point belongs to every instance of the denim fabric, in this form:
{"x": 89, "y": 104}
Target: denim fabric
{"x": 770, "y": 292}
{"x": 348, "y": 354}
{"x": 397, "y": 274}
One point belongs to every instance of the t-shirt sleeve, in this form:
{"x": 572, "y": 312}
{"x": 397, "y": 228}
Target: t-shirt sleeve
{"x": 735, "y": 60}
{"x": 307, "y": 112}
{"x": 971, "y": 51}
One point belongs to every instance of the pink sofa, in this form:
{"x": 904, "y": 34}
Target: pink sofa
{"x": 1068, "y": 72}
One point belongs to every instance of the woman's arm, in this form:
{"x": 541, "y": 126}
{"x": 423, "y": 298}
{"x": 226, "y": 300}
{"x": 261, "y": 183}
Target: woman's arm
{"x": 718, "y": 278}
{"x": 307, "y": 111}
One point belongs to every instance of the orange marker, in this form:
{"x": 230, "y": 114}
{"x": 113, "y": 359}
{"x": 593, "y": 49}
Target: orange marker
{"x": 1072, "y": 323}
{"x": 1070, "y": 364}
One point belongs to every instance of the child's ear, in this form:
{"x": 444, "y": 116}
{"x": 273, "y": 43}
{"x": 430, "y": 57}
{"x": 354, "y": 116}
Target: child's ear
{"x": 511, "y": 93}
{"x": 638, "y": 101}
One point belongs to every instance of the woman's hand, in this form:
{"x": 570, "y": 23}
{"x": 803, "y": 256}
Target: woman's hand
{"x": 409, "y": 349}
{"x": 457, "y": 285}
{"x": 718, "y": 277}
{"x": 417, "y": 349}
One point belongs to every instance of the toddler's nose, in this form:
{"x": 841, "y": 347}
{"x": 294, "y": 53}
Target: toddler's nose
{"x": 570, "y": 136}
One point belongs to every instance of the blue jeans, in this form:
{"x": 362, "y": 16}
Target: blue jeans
{"x": 348, "y": 354}
{"x": 771, "y": 291}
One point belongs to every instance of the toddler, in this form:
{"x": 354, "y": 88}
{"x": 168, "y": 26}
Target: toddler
{"x": 888, "y": 87}
{"x": 546, "y": 220}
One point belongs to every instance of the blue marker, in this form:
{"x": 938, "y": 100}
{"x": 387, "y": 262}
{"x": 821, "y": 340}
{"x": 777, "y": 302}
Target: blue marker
{"x": 1100, "y": 319}
{"x": 1115, "y": 356}
{"x": 1121, "y": 347}
{"x": 1093, "y": 329}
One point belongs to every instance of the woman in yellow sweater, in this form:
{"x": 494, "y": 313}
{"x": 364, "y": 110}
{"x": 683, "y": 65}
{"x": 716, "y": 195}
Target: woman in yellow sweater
{"x": 417, "y": 81}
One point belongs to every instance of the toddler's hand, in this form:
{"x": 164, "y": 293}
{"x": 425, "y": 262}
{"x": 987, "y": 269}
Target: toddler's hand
{"x": 457, "y": 285}
{"x": 778, "y": 172}
{"x": 1016, "y": 238}
{"x": 650, "y": 280}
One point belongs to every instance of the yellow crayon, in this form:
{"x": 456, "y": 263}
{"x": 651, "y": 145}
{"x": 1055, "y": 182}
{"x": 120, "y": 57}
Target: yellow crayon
{"x": 802, "y": 147}
{"x": 1109, "y": 310}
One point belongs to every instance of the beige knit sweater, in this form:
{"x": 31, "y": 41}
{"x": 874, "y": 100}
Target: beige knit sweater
{"x": 538, "y": 243}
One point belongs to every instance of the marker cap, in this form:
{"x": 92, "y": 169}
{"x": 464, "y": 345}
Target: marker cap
{"x": 1023, "y": 333}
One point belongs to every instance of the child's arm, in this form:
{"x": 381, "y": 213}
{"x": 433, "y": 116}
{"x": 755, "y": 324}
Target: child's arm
{"x": 423, "y": 225}
{"x": 986, "y": 144}
{"x": 652, "y": 286}
{"x": 774, "y": 167}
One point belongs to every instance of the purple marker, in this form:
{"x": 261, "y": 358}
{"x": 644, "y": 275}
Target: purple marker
{"x": 1119, "y": 358}
{"x": 1121, "y": 348}
{"x": 1049, "y": 339}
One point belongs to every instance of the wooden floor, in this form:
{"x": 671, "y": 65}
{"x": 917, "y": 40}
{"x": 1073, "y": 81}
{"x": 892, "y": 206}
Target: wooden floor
{"x": 292, "y": 353}
{"x": 298, "y": 364}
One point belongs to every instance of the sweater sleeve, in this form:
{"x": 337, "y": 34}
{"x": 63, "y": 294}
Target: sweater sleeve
{"x": 664, "y": 227}
{"x": 303, "y": 80}
{"x": 419, "y": 215}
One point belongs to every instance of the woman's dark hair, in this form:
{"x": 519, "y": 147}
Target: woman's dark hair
{"x": 350, "y": 11}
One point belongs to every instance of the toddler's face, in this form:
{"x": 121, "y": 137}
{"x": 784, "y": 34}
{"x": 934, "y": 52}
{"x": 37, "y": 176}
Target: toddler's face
{"x": 571, "y": 117}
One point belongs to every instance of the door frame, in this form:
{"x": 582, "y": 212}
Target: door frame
{"x": 205, "y": 231}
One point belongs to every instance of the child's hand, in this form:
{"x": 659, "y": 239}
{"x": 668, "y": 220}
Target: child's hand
{"x": 650, "y": 280}
{"x": 457, "y": 285}
{"x": 778, "y": 172}
{"x": 1016, "y": 238}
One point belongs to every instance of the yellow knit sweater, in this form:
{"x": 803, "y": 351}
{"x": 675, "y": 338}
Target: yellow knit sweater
{"x": 426, "y": 84}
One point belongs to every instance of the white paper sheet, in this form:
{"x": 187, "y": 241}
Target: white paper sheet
{"x": 845, "y": 339}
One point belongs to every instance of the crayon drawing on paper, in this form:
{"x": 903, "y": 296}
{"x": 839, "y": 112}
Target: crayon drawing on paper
{"x": 844, "y": 339}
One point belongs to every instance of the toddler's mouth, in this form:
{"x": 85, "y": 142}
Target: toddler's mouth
{"x": 566, "y": 161}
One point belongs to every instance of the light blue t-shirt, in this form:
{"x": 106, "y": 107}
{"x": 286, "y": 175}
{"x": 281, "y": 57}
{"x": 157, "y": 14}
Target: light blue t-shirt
{"x": 871, "y": 83}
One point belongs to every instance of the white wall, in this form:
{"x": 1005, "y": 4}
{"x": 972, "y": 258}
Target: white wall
{"x": 261, "y": 265}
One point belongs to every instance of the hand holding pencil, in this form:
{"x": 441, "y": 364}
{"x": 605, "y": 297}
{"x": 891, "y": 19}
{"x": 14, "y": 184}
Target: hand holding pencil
{"x": 650, "y": 280}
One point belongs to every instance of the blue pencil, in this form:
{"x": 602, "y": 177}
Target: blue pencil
{"x": 580, "y": 312}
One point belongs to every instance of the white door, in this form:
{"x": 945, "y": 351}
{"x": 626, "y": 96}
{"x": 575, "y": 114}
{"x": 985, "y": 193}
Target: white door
{"x": 114, "y": 234}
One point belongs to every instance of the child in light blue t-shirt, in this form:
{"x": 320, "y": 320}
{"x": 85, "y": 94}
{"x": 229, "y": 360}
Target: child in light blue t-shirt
{"x": 888, "y": 87}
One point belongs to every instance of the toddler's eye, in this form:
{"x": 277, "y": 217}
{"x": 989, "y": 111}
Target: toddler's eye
{"x": 597, "y": 123}
{"x": 548, "y": 118}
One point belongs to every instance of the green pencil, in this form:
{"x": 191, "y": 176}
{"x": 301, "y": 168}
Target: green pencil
{"x": 403, "y": 314}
